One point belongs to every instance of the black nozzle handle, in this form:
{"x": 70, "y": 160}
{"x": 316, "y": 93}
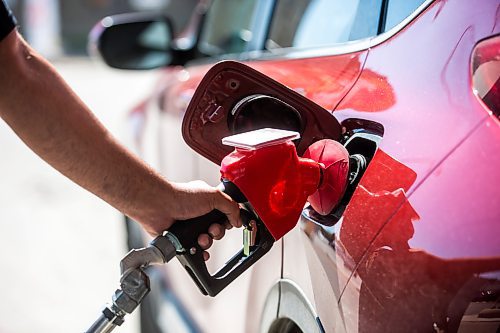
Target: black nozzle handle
{"x": 194, "y": 263}
{"x": 186, "y": 233}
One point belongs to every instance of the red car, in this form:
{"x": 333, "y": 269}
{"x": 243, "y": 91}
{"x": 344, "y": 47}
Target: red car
{"x": 411, "y": 86}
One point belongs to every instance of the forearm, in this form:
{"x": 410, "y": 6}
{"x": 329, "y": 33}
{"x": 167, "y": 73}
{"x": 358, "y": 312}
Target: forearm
{"x": 47, "y": 115}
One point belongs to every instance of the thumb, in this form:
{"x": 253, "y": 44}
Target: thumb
{"x": 229, "y": 207}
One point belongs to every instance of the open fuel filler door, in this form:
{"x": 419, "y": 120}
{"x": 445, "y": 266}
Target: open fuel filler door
{"x": 233, "y": 98}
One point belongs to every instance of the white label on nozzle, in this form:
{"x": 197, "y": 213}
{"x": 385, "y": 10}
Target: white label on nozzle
{"x": 260, "y": 138}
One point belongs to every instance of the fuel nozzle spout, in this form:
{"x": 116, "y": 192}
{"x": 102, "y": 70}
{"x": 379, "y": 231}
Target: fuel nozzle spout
{"x": 277, "y": 182}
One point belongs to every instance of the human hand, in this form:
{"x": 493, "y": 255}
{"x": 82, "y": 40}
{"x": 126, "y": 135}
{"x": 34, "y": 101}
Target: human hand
{"x": 207, "y": 198}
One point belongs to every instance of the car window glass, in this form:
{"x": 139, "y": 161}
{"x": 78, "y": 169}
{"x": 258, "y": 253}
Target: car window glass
{"x": 312, "y": 23}
{"x": 398, "y": 10}
{"x": 228, "y": 27}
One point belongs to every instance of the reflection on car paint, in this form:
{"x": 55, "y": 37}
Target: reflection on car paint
{"x": 399, "y": 288}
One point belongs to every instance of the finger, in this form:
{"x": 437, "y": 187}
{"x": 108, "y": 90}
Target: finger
{"x": 216, "y": 231}
{"x": 226, "y": 205}
{"x": 228, "y": 225}
{"x": 205, "y": 241}
{"x": 206, "y": 255}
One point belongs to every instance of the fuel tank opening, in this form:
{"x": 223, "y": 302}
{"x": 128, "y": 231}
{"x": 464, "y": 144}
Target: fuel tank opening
{"x": 261, "y": 111}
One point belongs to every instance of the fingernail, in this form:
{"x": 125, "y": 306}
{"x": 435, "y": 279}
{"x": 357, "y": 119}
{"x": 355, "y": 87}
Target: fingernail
{"x": 203, "y": 241}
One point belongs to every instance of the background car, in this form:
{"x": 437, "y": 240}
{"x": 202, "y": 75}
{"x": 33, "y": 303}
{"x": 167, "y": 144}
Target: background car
{"x": 413, "y": 86}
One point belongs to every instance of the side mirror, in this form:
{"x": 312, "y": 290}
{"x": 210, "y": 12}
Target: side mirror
{"x": 133, "y": 41}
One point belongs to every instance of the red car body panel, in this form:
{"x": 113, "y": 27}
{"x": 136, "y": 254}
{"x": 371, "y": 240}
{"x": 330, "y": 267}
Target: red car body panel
{"x": 432, "y": 186}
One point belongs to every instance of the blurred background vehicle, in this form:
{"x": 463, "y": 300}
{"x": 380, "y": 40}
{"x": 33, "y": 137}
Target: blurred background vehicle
{"x": 414, "y": 84}
{"x": 60, "y": 28}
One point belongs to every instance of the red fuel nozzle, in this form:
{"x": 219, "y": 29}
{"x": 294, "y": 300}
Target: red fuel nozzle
{"x": 266, "y": 169}
{"x": 267, "y": 177}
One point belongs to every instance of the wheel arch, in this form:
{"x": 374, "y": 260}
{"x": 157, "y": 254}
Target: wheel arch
{"x": 287, "y": 310}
